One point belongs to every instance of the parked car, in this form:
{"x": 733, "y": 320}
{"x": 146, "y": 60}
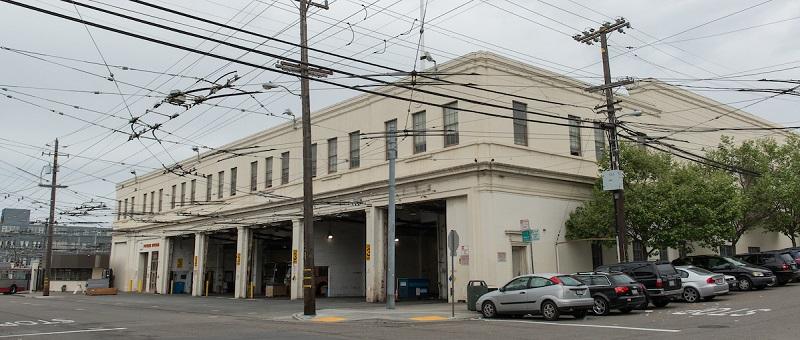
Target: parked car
{"x": 781, "y": 263}
{"x": 548, "y": 294}
{"x": 749, "y": 276}
{"x": 660, "y": 279}
{"x": 795, "y": 252}
{"x": 613, "y": 291}
{"x": 700, "y": 284}
{"x": 733, "y": 283}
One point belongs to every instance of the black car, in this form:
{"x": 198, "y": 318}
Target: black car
{"x": 781, "y": 263}
{"x": 795, "y": 252}
{"x": 660, "y": 279}
{"x": 748, "y": 276}
{"x": 613, "y": 291}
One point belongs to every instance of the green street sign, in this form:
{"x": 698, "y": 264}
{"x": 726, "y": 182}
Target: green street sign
{"x": 526, "y": 236}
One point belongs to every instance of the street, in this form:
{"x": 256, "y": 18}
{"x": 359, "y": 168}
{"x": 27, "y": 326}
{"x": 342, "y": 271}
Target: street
{"x": 758, "y": 314}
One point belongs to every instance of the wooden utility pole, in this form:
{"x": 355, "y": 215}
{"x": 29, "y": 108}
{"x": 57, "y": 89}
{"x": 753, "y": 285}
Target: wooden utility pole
{"x": 48, "y": 248}
{"x": 589, "y": 38}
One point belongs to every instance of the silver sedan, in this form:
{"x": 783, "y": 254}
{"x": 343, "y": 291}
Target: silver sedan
{"x": 548, "y": 294}
{"x": 700, "y": 284}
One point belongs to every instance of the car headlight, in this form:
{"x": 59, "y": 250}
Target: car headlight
{"x": 758, "y": 274}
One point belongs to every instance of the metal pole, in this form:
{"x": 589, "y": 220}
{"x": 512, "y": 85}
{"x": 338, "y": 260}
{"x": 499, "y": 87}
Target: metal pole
{"x": 452, "y": 285}
{"x": 48, "y": 249}
{"x": 309, "y": 297}
{"x": 619, "y": 196}
{"x": 391, "y": 139}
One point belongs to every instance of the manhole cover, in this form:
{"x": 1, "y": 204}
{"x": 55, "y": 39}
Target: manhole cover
{"x": 713, "y": 326}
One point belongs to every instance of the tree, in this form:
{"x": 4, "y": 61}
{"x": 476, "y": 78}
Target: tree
{"x": 667, "y": 204}
{"x": 783, "y": 181}
{"x": 751, "y": 197}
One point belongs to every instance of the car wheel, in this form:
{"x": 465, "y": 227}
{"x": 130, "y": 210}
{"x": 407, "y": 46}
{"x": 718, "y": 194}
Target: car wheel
{"x": 580, "y": 314}
{"x": 550, "y": 311}
{"x": 745, "y": 283}
{"x": 488, "y": 310}
{"x": 691, "y": 295}
{"x": 660, "y": 302}
{"x": 600, "y": 306}
{"x": 625, "y": 310}
{"x": 13, "y": 290}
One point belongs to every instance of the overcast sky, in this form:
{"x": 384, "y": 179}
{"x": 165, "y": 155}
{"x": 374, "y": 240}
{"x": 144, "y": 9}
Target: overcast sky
{"x": 694, "y": 39}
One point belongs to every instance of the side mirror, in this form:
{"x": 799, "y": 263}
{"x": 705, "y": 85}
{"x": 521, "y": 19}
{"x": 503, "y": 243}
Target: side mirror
{"x": 502, "y": 289}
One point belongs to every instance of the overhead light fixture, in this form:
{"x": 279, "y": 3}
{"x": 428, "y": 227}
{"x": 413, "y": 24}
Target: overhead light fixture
{"x": 330, "y": 235}
{"x": 396, "y": 239}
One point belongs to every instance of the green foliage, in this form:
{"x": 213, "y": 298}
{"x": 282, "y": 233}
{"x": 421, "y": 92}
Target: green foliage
{"x": 783, "y": 183}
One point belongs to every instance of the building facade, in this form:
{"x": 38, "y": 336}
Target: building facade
{"x": 230, "y": 221}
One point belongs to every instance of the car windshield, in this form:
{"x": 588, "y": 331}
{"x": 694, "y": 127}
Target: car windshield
{"x": 666, "y": 268}
{"x": 570, "y": 281}
{"x": 700, "y": 271}
{"x": 735, "y": 262}
{"x": 621, "y": 279}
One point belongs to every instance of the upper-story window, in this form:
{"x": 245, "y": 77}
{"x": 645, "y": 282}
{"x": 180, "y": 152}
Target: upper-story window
{"x": 314, "y": 160}
{"x": 234, "y": 175}
{"x": 332, "y": 155}
{"x": 172, "y": 197}
{"x": 160, "y": 200}
{"x": 520, "y": 123}
{"x": 574, "y": 135}
{"x": 285, "y": 167}
{"x": 119, "y": 209}
{"x": 599, "y": 141}
{"x": 183, "y": 193}
{"x": 254, "y": 176}
{"x": 125, "y": 209}
{"x": 152, "y": 200}
{"x": 133, "y": 205}
{"x": 355, "y": 149}
{"x": 391, "y": 138}
{"x": 418, "y": 120}
{"x": 209, "y": 186}
{"x": 144, "y": 203}
{"x": 192, "y": 191}
{"x": 220, "y": 183}
{"x": 268, "y": 172}
{"x": 450, "y": 113}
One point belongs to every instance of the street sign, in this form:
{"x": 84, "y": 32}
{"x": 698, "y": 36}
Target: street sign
{"x": 524, "y": 224}
{"x": 535, "y": 235}
{"x": 452, "y": 242}
{"x": 526, "y": 236}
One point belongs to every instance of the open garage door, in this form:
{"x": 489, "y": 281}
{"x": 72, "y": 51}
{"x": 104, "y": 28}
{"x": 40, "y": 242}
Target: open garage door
{"x": 420, "y": 251}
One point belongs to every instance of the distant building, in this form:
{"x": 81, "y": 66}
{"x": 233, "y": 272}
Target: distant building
{"x": 22, "y": 243}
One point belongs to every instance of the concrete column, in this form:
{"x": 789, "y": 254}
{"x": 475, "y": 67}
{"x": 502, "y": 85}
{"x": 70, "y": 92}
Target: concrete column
{"x": 164, "y": 266}
{"x": 258, "y": 266}
{"x": 375, "y": 269}
{"x": 296, "y": 284}
{"x": 243, "y": 242}
{"x": 199, "y": 264}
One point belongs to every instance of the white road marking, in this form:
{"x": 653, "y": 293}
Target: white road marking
{"x": 64, "y": 332}
{"x": 589, "y": 326}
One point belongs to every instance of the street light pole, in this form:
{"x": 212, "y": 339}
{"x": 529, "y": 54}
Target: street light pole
{"x": 48, "y": 248}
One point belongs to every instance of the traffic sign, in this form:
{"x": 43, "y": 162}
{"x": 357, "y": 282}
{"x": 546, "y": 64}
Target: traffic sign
{"x": 452, "y": 242}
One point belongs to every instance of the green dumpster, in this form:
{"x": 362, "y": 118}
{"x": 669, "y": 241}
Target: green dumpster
{"x": 475, "y": 289}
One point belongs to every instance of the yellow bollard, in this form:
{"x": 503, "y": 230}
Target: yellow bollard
{"x": 206, "y": 288}
{"x": 251, "y": 288}
{"x": 130, "y": 285}
{"x": 141, "y": 286}
{"x": 171, "y": 284}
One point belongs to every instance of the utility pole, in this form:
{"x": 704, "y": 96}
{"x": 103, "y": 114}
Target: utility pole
{"x": 391, "y": 141}
{"x": 589, "y": 38}
{"x": 48, "y": 248}
{"x": 309, "y": 297}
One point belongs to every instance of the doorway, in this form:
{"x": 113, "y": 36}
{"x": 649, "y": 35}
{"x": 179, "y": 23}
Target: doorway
{"x": 151, "y": 282}
{"x": 519, "y": 260}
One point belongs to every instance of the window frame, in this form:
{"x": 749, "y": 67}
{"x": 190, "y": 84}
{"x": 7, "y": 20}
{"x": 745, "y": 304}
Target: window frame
{"x": 285, "y": 167}
{"x": 520, "y": 122}
{"x": 451, "y": 138}
{"x": 253, "y": 176}
{"x": 575, "y": 142}
{"x": 220, "y": 184}
{"x": 234, "y": 178}
{"x": 314, "y": 160}
{"x": 209, "y": 187}
{"x": 419, "y": 141}
{"x": 173, "y": 198}
{"x": 268, "y": 164}
{"x": 355, "y": 149}
{"x": 333, "y": 155}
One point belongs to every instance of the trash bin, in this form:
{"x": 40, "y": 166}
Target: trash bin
{"x": 475, "y": 289}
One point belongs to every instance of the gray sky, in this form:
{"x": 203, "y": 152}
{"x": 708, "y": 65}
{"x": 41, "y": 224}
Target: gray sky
{"x": 537, "y": 32}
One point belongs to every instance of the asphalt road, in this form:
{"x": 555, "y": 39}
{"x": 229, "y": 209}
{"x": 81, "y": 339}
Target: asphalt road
{"x": 768, "y": 314}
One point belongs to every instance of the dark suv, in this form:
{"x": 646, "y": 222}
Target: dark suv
{"x": 781, "y": 263}
{"x": 613, "y": 291}
{"x": 795, "y": 252}
{"x": 748, "y": 276}
{"x": 660, "y": 279}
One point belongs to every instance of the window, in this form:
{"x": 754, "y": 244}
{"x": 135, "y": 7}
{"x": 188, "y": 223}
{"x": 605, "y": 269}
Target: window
{"x": 420, "y": 144}
{"x": 144, "y": 203}
{"x": 220, "y": 183}
{"x": 520, "y": 123}
{"x": 332, "y": 155}
{"x": 519, "y": 283}
{"x": 152, "y": 200}
{"x": 209, "y": 185}
{"x": 254, "y": 176}
{"x": 638, "y": 251}
{"x": 314, "y": 160}
{"x": 663, "y": 254}
{"x": 160, "y": 199}
{"x": 574, "y": 135}
{"x": 726, "y": 250}
{"x": 183, "y": 193}
{"x": 268, "y": 172}
{"x": 233, "y": 181}
{"x": 451, "y": 124}
{"x": 597, "y": 254}
{"x": 684, "y": 274}
{"x": 133, "y": 205}
{"x": 119, "y": 209}
{"x": 125, "y": 211}
{"x": 391, "y": 137}
{"x": 172, "y": 198}
{"x": 355, "y": 149}
{"x": 753, "y": 249}
{"x": 192, "y": 191}
{"x": 538, "y": 282}
{"x": 599, "y": 141}
{"x": 285, "y": 167}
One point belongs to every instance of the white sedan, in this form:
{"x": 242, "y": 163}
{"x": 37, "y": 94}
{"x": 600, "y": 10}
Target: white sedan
{"x": 548, "y": 294}
{"x": 700, "y": 284}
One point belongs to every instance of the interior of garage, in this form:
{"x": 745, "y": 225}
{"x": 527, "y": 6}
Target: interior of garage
{"x": 271, "y": 260}
{"x": 181, "y": 264}
{"x": 220, "y": 267}
{"x": 420, "y": 251}
{"x": 340, "y": 263}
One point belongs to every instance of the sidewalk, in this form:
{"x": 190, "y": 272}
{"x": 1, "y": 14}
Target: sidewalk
{"x": 402, "y": 313}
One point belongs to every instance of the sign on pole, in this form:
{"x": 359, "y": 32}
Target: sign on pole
{"x": 526, "y": 236}
{"x": 452, "y": 244}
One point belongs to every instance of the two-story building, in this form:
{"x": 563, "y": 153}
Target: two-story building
{"x": 232, "y": 224}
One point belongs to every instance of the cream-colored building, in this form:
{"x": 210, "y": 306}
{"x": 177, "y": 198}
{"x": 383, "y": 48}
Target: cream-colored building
{"x": 236, "y": 228}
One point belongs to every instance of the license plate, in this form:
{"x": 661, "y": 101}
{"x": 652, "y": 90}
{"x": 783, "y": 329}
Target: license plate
{"x": 579, "y": 292}
{"x": 635, "y": 291}
{"x": 671, "y": 282}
